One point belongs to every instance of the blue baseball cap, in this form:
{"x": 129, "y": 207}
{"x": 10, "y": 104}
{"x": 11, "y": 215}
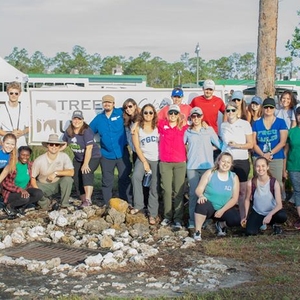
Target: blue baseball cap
{"x": 237, "y": 95}
{"x": 177, "y": 93}
{"x": 256, "y": 100}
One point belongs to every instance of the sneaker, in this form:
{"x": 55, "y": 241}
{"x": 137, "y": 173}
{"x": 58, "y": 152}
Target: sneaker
{"x": 277, "y": 229}
{"x": 220, "y": 231}
{"x": 165, "y": 222}
{"x": 11, "y": 213}
{"x": 263, "y": 227}
{"x": 297, "y": 224}
{"x": 86, "y": 202}
{"x": 177, "y": 226}
{"x": 197, "y": 236}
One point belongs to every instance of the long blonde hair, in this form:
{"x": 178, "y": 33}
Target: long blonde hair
{"x": 13, "y": 154}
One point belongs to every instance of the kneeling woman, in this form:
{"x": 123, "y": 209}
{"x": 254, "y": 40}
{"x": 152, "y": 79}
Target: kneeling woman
{"x": 267, "y": 204}
{"x": 16, "y": 187}
{"x": 218, "y": 192}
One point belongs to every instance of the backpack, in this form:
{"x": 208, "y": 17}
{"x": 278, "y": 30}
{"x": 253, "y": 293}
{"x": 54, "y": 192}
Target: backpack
{"x": 272, "y": 184}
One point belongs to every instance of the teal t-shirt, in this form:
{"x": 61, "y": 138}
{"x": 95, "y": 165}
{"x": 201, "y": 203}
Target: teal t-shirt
{"x": 219, "y": 192}
{"x": 22, "y": 177}
{"x": 293, "y": 158}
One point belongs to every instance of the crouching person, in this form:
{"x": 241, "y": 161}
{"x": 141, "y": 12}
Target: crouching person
{"x": 52, "y": 172}
{"x": 218, "y": 192}
{"x": 17, "y": 190}
{"x": 267, "y": 202}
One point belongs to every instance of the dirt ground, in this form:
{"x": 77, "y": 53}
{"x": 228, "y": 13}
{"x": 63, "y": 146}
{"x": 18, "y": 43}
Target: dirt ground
{"x": 130, "y": 281}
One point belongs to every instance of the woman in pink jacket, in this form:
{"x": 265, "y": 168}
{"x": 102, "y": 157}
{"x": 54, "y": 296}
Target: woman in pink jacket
{"x": 172, "y": 155}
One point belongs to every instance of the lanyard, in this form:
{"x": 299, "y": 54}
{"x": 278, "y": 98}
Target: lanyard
{"x": 11, "y": 122}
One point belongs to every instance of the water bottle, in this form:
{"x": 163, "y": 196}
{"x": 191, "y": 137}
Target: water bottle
{"x": 147, "y": 179}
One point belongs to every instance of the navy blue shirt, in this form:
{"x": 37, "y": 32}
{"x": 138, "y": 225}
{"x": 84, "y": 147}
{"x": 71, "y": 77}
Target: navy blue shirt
{"x": 79, "y": 142}
{"x": 112, "y": 133}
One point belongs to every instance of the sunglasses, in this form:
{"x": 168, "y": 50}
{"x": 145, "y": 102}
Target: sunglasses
{"x": 12, "y": 93}
{"x": 148, "y": 112}
{"x": 230, "y": 110}
{"x": 53, "y": 144}
{"x": 194, "y": 116}
{"x": 271, "y": 107}
{"x": 173, "y": 113}
{"x": 236, "y": 100}
{"x": 129, "y": 106}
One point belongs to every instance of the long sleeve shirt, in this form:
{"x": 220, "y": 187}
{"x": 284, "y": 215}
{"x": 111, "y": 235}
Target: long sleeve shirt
{"x": 9, "y": 186}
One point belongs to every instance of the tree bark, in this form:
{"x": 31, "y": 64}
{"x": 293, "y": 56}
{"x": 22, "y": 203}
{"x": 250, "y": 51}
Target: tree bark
{"x": 266, "y": 48}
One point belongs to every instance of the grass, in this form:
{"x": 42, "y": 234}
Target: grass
{"x": 272, "y": 260}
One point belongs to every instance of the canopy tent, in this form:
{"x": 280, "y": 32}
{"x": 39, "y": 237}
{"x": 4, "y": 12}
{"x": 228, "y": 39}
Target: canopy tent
{"x": 8, "y": 73}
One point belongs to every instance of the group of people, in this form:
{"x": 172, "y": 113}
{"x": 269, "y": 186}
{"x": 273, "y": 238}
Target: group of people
{"x": 180, "y": 140}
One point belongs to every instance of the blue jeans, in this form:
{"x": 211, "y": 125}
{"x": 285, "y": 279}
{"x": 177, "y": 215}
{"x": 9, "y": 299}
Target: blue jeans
{"x": 194, "y": 176}
{"x": 295, "y": 179}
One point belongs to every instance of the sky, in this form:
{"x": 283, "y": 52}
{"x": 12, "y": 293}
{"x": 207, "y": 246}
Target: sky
{"x": 165, "y": 28}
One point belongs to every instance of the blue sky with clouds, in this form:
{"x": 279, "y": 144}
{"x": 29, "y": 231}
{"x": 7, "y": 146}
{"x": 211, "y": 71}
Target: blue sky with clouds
{"x": 165, "y": 28}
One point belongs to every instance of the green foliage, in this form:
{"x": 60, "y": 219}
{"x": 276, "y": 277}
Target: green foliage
{"x": 160, "y": 73}
{"x": 293, "y": 45}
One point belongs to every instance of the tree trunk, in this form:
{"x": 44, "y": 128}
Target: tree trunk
{"x": 266, "y": 49}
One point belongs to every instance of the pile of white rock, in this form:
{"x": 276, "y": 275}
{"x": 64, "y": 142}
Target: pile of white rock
{"x": 128, "y": 240}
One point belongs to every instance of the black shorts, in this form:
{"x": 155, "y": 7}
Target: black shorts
{"x": 241, "y": 167}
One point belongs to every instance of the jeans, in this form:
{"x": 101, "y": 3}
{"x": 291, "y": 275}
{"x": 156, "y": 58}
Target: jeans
{"x": 194, "y": 177}
{"x": 295, "y": 179}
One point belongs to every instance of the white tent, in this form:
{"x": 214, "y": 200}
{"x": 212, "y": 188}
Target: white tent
{"x": 8, "y": 73}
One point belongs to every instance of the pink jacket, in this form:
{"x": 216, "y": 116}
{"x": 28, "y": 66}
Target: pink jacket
{"x": 171, "y": 144}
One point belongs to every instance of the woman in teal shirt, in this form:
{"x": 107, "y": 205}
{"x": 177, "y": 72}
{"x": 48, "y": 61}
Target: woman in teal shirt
{"x": 218, "y": 192}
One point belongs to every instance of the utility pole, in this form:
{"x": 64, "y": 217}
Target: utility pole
{"x": 197, "y": 50}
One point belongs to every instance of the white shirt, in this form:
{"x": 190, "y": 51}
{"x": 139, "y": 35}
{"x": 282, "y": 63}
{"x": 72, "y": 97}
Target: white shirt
{"x": 15, "y": 118}
{"x": 237, "y": 133}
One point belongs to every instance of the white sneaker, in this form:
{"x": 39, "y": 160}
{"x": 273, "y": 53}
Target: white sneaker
{"x": 165, "y": 222}
{"x": 177, "y": 226}
{"x": 197, "y": 236}
{"x": 263, "y": 227}
{"x": 220, "y": 231}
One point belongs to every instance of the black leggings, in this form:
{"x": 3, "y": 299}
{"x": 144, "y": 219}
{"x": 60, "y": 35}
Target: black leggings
{"x": 255, "y": 220}
{"x": 231, "y": 216}
{"x": 15, "y": 200}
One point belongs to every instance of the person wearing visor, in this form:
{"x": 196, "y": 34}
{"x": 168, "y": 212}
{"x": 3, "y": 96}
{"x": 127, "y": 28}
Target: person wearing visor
{"x": 177, "y": 98}
{"x": 269, "y": 138}
{"x": 199, "y": 141}
{"x": 172, "y": 166}
{"x": 242, "y": 112}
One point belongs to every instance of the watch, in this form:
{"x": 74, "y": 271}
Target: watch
{"x": 55, "y": 173}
